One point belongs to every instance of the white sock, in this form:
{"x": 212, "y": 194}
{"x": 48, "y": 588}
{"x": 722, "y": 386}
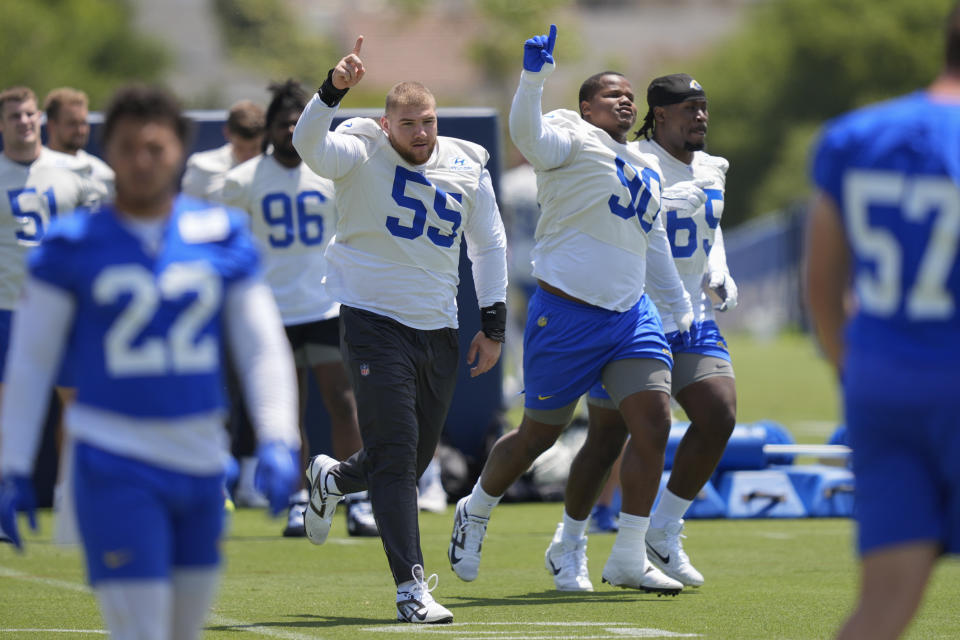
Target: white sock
{"x": 298, "y": 497}
{"x": 632, "y": 535}
{"x": 480, "y": 502}
{"x": 573, "y": 530}
{"x": 136, "y": 609}
{"x": 193, "y": 593}
{"x": 671, "y": 508}
{"x": 248, "y": 469}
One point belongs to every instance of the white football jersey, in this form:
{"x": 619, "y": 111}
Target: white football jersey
{"x": 293, "y": 214}
{"x": 100, "y": 172}
{"x": 206, "y": 171}
{"x": 31, "y": 195}
{"x": 692, "y": 236}
{"x": 597, "y": 209}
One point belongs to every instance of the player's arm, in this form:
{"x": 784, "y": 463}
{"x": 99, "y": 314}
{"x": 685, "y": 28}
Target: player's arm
{"x": 663, "y": 278}
{"x": 265, "y": 365}
{"x": 41, "y": 325}
{"x": 545, "y": 146}
{"x": 487, "y": 250}
{"x": 827, "y": 265}
{"x": 718, "y": 275}
{"x": 330, "y": 154}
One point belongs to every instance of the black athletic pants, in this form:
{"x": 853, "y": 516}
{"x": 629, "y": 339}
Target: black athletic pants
{"x": 403, "y": 379}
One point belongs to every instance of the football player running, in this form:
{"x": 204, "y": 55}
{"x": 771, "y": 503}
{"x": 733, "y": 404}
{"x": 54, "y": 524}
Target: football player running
{"x": 598, "y": 239}
{"x": 145, "y": 294}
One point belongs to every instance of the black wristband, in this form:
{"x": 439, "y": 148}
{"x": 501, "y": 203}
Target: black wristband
{"x": 329, "y": 94}
{"x": 493, "y": 321}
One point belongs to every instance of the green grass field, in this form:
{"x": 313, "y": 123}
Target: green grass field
{"x": 765, "y": 579}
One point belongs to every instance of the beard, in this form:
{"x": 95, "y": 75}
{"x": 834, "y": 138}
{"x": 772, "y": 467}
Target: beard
{"x": 407, "y": 154}
{"x": 695, "y": 146}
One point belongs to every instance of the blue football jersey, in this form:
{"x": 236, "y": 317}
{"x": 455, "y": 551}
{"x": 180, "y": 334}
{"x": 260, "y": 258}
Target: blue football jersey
{"x": 893, "y": 170}
{"x": 147, "y": 334}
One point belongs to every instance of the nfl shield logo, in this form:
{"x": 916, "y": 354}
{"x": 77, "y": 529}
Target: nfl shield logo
{"x": 364, "y": 369}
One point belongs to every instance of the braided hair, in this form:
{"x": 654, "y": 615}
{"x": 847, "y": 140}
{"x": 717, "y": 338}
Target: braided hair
{"x": 647, "y": 127}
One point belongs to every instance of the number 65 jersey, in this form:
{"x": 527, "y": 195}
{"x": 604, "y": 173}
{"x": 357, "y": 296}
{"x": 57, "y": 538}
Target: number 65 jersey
{"x": 696, "y": 241}
{"x": 147, "y": 326}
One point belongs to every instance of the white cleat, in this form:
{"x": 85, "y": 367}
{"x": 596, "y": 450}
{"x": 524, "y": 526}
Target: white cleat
{"x": 318, "y": 516}
{"x": 416, "y": 605}
{"x": 665, "y": 551}
{"x": 568, "y": 563}
{"x": 631, "y": 572}
{"x": 466, "y": 541}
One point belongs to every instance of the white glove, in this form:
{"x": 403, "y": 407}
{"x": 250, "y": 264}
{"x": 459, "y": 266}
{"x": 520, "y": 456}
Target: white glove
{"x": 683, "y": 319}
{"x": 722, "y": 284}
{"x": 686, "y": 196}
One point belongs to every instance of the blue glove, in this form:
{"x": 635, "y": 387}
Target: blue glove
{"x": 276, "y": 473}
{"x": 16, "y": 494}
{"x": 538, "y": 50}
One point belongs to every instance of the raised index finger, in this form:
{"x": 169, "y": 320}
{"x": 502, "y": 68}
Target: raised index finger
{"x": 356, "y": 47}
{"x": 552, "y": 40}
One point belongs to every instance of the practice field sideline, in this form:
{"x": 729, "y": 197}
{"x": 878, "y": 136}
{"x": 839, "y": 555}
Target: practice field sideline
{"x": 786, "y": 579}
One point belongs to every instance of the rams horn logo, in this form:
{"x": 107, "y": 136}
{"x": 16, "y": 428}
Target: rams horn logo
{"x": 695, "y": 85}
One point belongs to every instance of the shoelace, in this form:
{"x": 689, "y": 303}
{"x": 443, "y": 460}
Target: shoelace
{"x": 674, "y": 534}
{"x": 421, "y": 588}
{"x": 575, "y": 560}
{"x": 473, "y": 526}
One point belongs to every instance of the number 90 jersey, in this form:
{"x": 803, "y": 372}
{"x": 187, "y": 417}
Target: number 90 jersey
{"x": 893, "y": 170}
{"x": 293, "y": 214}
{"x": 691, "y": 233}
{"x": 147, "y": 334}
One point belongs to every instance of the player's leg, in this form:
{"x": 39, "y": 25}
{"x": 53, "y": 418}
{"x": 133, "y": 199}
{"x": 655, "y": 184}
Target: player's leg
{"x": 322, "y": 352}
{"x": 892, "y": 583}
{"x": 197, "y": 525}
{"x": 705, "y": 388}
{"x": 561, "y": 341}
{"x": 128, "y": 559}
{"x": 566, "y": 556}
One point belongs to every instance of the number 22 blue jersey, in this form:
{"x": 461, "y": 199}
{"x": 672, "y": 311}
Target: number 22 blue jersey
{"x": 147, "y": 334}
{"x": 893, "y": 170}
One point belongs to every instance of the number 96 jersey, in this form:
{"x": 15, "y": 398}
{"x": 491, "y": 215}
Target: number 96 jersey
{"x": 147, "y": 329}
{"x": 294, "y": 216}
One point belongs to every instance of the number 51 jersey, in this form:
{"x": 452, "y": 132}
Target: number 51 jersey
{"x": 147, "y": 329}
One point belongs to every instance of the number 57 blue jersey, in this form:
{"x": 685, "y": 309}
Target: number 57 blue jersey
{"x": 147, "y": 333}
{"x": 893, "y": 169}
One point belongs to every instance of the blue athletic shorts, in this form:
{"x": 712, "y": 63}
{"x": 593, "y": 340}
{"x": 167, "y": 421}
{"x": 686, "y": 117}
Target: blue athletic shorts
{"x": 705, "y": 339}
{"x": 139, "y": 521}
{"x": 64, "y": 379}
{"x": 903, "y": 426}
{"x": 567, "y": 344}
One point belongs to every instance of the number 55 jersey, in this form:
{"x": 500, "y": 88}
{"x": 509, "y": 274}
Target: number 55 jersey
{"x": 397, "y": 246}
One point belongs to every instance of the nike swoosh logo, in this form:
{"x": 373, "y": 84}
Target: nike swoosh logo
{"x": 553, "y": 567}
{"x": 663, "y": 559}
{"x": 539, "y": 397}
{"x": 414, "y": 609}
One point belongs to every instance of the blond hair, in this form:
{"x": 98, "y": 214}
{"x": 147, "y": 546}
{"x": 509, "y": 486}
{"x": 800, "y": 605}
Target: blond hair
{"x": 16, "y": 94}
{"x": 404, "y": 94}
{"x": 59, "y": 98}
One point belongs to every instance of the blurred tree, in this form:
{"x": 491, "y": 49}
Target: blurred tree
{"x": 87, "y": 44}
{"x": 796, "y": 63}
{"x": 266, "y": 35}
{"x": 497, "y": 47}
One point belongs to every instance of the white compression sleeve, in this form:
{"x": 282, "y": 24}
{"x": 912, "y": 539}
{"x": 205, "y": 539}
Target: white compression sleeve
{"x": 264, "y": 361}
{"x": 487, "y": 246}
{"x": 41, "y": 325}
{"x": 544, "y": 146}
